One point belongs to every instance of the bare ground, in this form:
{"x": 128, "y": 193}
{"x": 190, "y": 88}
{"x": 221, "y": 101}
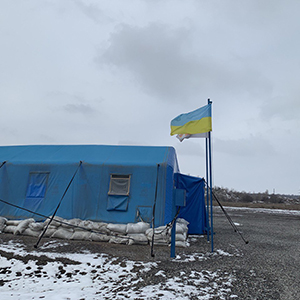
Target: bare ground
{"x": 265, "y": 268}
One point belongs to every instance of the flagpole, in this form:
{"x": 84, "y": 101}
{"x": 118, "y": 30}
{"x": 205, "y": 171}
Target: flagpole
{"x": 207, "y": 192}
{"x": 210, "y": 189}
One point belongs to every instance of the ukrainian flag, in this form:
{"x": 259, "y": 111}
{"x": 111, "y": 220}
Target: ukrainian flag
{"x": 197, "y": 121}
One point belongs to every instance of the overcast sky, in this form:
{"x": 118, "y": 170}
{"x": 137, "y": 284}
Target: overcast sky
{"x": 117, "y": 72}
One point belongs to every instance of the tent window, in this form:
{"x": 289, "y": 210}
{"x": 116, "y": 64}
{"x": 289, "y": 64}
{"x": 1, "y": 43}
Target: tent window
{"x": 37, "y": 185}
{"x": 119, "y": 185}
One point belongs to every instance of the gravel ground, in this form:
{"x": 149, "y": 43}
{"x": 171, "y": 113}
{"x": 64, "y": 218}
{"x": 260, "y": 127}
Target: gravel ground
{"x": 265, "y": 268}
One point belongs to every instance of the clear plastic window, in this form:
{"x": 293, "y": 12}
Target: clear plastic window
{"x": 119, "y": 185}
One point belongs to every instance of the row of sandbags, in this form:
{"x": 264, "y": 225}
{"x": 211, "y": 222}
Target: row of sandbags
{"x": 76, "y": 229}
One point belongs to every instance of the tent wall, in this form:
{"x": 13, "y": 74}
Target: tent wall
{"x": 87, "y": 197}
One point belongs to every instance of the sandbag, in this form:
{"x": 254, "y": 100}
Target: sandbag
{"x": 62, "y": 233}
{"x": 137, "y": 238}
{"x": 22, "y": 226}
{"x": 2, "y": 223}
{"x": 181, "y": 228}
{"x": 10, "y": 229}
{"x": 30, "y": 232}
{"x": 100, "y": 227}
{"x": 118, "y": 240}
{"x": 159, "y": 242}
{"x": 157, "y": 230}
{"x": 81, "y": 235}
{"x": 71, "y": 223}
{"x": 100, "y": 237}
{"x": 139, "y": 227}
{"x": 54, "y": 223}
{"x": 180, "y": 244}
{"x": 13, "y": 222}
{"x": 86, "y": 224}
{"x": 118, "y": 228}
{"x": 36, "y": 226}
{"x": 103, "y": 229}
{"x": 182, "y": 221}
{"x": 49, "y": 231}
{"x": 180, "y": 237}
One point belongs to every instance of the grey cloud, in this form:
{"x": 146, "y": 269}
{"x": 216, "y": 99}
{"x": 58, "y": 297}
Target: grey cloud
{"x": 160, "y": 60}
{"x": 72, "y": 103}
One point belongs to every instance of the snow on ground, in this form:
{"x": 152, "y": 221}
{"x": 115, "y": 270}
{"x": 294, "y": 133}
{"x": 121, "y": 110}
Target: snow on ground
{"x": 263, "y": 210}
{"x": 101, "y": 276}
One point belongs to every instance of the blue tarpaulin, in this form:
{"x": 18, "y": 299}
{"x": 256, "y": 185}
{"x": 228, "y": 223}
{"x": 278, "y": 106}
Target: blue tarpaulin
{"x": 114, "y": 184}
{"x": 194, "y": 211}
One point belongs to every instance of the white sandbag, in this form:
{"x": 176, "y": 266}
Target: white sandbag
{"x": 13, "y": 222}
{"x": 51, "y": 227}
{"x": 139, "y": 227}
{"x": 160, "y": 234}
{"x": 159, "y": 243}
{"x": 159, "y": 238}
{"x": 182, "y": 221}
{"x": 49, "y": 231}
{"x": 157, "y": 230}
{"x": 180, "y": 244}
{"x": 86, "y": 224}
{"x": 137, "y": 238}
{"x": 118, "y": 228}
{"x": 30, "y": 232}
{"x": 180, "y": 237}
{"x": 118, "y": 240}
{"x": 81, "y": 235}
{"x": 53, "y": 222}
{"x": 36, "y": 226}
{"x": 70, "y": 223}
{"x": 62, "y": 233}
{"x": 181, "y": 228}
{"x": 102, "y": 228}
{"x": 9, "y": 229}
{"x": 22, "y": 226}
{"x": 100, "y": 237}
{"x": 2, "y": 223}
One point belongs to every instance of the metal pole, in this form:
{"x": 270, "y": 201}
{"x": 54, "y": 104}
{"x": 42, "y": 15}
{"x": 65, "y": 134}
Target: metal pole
{"x": 153, "y": 212}
{"x": 207, "y": 193}
{"x": 210, "y": 188}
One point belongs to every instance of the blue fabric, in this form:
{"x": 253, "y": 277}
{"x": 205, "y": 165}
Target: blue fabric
{"x": 144, "y": 214}
{"x": 37, "y": 185}
{"x": 119, "y": 203}
{"x": 194, "y": 211}
{"x": 87, "y": 197}
{"x": 32, "y": 204}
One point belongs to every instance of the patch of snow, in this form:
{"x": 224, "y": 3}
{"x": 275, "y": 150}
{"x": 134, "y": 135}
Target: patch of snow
{"x": 104, "y": 277}
{"x": 160, "y": 273}
{"x": 221, "y": 252}
{"x": 264, "y": 210}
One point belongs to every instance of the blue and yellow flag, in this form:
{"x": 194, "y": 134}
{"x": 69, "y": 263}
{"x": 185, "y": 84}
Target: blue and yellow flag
{"x": 197, "y": 121}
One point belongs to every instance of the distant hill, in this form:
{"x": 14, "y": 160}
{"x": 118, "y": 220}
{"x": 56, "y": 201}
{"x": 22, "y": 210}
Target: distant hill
{"x": 234, "y": 198}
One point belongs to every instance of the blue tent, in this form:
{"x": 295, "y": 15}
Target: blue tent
{"x": 114, "y": 184}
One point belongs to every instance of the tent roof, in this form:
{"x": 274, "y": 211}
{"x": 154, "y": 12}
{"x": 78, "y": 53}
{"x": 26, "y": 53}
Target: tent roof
{"x": 94, "y": 154}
